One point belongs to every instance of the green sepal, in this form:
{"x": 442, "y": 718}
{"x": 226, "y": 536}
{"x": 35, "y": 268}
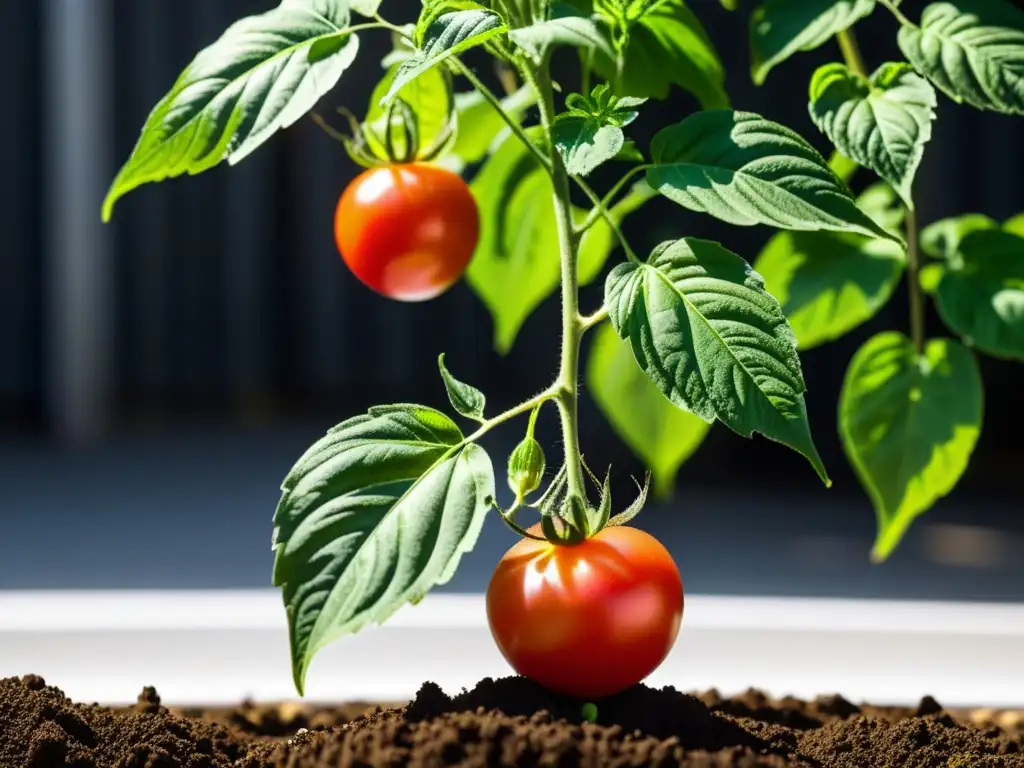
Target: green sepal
{"x": 636, "y": 507}
{"x": 599, "y": 516}
{"x": 561, "y": 531}
{"x": 546, "y": 503}
{"x": 577, "y": 513}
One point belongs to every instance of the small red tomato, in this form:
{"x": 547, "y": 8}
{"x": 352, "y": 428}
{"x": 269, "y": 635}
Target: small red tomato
{"x": 407, "y": 231}
{"x": 587, "y": 620}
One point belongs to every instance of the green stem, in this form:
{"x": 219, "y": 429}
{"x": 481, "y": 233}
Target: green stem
{"x": 584, "y": 72}
{"x": 383, "y": 23}
{"x": 495, "y": 102}
{"x": 917, "y": 318}
{"x": 550, "y": 393}
{"x": 533, "y": 421}
{"x": 851, "y": 52}
{"x": 894, "y": 9}
{"x": 508, "y": 516}
{"x": 602, "y": 209}
{"x": 595, "y": 213}
{"x": 567, "y": 384}
{"x": 597, "y": 318}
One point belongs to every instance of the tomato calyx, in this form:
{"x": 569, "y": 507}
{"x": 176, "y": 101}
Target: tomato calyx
{"x": 400, "y": 143}
{"x": 568, "y": 519}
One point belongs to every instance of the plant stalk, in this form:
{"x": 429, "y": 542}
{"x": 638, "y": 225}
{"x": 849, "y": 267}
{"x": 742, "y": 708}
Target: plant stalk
{"x": 532, "y": 404}
{"x": 851, "y": 52}
{"x": 917, "y": 317}
{"x": 894, "y": 9}
{"x": 603, "y": 211}
{"x": 598, "y": 210}
{"x": 572, "y": 327}
{"x": 597, "y": 318}
{"x": 495, "y": 102}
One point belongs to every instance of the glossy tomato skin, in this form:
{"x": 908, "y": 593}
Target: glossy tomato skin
{"x": 588, "y": 620}
{"x": 407, "y": 231}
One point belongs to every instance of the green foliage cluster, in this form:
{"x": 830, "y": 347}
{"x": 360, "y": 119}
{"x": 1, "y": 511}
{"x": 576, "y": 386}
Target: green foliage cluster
{"x": 381, "y": 509}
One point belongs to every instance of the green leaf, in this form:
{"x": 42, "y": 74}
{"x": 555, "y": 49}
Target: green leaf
{"x": 662, "y": 44}
{"x": 879, "y": 201}
{"x": 584, "y": 143}
{"x": 828, "y": 283}
{"x": 365, "y": 7}
{"x": 973, "y": 51}
{"x": 479, "y": 123}
{"x": 746, "y": 170}
{"x": 599, "y": 241}
{"x": 941, "y": 240}
{"x": 781, "y": 28}
{"x": 882, "y": 124}
{"x": 429, "y": 98}
{"x": 448, "y": 35}
{"x": 590, "y": 132}
{"x": 263, "y": 74}
{"x": 713, "y": 341}
{"x": 373, "y": 516}
{"x": 981, "y": 294}
{"x": 1015, "y": 225}
{"x": 929, "y": 277}
{"x": 578, "y": 31}
{"x": 660, "y": 434}
{"x": 516, "y": 263}
{"x": 909, "y": 423}
{"x": 842, "y": 166}
{"x": 465, "y": 399}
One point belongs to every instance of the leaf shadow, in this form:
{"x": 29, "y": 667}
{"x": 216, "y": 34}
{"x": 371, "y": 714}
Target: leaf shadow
{"x": 832, "y": 263}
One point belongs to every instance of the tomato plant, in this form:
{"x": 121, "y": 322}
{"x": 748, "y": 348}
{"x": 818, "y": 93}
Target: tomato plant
{"x": 588, "y": 620}
{"x": 382, "y": 508}
{"x": 407, "y": 231}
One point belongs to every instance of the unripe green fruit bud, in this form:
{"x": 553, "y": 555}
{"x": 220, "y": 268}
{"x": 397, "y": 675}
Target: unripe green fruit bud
{"x": 526, "y": 468}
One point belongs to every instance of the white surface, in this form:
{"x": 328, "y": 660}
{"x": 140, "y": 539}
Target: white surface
{"x": 219, "y": 647}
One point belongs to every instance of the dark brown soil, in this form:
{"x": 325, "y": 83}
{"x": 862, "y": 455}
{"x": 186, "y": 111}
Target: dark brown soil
{"x": 507, "y": 722}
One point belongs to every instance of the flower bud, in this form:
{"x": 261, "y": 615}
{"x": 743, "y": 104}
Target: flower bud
{"x": 526, "y": 468}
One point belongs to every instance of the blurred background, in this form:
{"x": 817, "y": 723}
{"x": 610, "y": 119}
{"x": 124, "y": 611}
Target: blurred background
{"x": 158, "y": 376}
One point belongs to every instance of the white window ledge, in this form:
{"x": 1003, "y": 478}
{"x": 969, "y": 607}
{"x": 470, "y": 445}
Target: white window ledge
{"x": 219, "y": 647}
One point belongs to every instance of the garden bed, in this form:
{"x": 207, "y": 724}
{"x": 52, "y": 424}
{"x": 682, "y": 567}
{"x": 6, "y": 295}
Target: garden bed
{"x": 508, "y": 721}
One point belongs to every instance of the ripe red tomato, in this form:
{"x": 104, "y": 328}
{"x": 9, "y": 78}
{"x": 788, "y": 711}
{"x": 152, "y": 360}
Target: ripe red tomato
{"x": 588, "y": 620}
{"x": 407, "y": 231}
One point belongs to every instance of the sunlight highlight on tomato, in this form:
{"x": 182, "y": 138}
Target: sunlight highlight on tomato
{"x": 407, "y": 231}
{"x": 588, "y": 620}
